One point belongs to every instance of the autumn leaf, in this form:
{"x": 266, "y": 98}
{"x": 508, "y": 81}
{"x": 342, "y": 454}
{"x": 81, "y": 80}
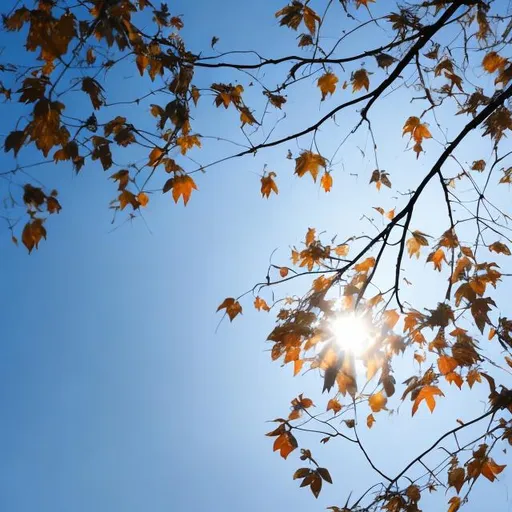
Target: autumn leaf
{"x": 142, "y": 199}
{"x": 454, "y": 503}
{"x": 327, "y": 84}
{"x": 268, "y": 185}
{"x": 360, "y": 79}
{"x": 499, "y": 248}
{"x": 32, "y": 234}
{"x": 181, "y": 186}
{"x": 415, "y": 243}
{"x": 187, "y": 142}
{"x": 493, "y": 62}
{"x": 437, "y": 257}
{"x": 232, "y": 307}
{"x": 418, "y": 132}
{"x": 310, "y": 162}
{"x": 427, "y": 393}
{"x": 456, "y": 478}
{"x": 377, "y": 402}
{"x": 285, "y": 444}
{"x": 326, "y": 181}
{"x": 447, "y": 364}
{"x": 260, "y": 304}
{"x": 370, "y": 420}
{"x": 334, "y": 406}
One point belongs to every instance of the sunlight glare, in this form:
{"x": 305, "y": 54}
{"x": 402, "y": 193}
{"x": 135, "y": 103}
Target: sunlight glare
{"x": 352, "y": 333}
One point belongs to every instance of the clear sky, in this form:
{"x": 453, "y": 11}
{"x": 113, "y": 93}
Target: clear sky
{"x": 117, "y": 393}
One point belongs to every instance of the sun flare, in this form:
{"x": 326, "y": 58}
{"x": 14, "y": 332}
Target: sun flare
{"x": 352, "y": 333}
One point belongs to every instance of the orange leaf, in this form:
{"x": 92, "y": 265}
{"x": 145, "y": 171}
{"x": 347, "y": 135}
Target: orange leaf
{"x": 260, "y": 304}
{"x": 232, "y": 307}
{"x": 326, "y": 181}
{"x": 334, "y": 406}
{"x": 181, "y": 186}
{"x": 310, "y": 162}
{"x": 377, "y": 402}
{"x": 327, "y": 84}
{"x": 143, "y": 198}
{"x": 447, "y": 364}
{"x": 427, "y": 393}
{"x": 268, "y": 185}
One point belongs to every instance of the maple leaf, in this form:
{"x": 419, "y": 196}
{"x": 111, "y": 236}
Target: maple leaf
{"x": 493, "y": 62}
{"x": 427, "y": 393}
{"x": 310, "y": 162}
{"x": 181, "y": 185}
{"x": 122, "y": 177}
{"x": 415, "y": 243}
{"x": 418, "y": 131}
{"x": 363, "y": 2}
{"x": 187, "y": 142}
{"x": 454, "y": 503}
{"x": 94, "y": 90}
{"x": 360, "y": 79}
{"x": 499, "y": 248}
{"x": 285, "y": 443}
{"x": 384, "y": 60}
{"x": 377, "y": 402}
{"x": 326, "y": 181}
{"x": 447, "y": 364}
{"x": 456, "y": 478}
{"x": 437, "y": 257}
{"x": 310, "y": 236}
{"x": 268, "y": 185}
{"x": 142, "y": 199}
{"x": 327, "y": 84}
{"x": 334, "y": 406}
{"x": 311, "y": 18}
{"x": 260, "y": 304}
{"x": 232, "y": 307}
{"x": 32, "y": 234}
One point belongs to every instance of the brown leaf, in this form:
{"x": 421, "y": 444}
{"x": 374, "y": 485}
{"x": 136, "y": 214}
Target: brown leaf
{"x": 232, "y": 307}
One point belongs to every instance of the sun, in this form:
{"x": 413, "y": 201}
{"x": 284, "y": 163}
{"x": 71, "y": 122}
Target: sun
{"x": 352, "y": 333}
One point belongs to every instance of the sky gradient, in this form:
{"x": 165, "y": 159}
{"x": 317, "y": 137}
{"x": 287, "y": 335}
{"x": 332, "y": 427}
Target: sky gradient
{"x": 119, "y": 390}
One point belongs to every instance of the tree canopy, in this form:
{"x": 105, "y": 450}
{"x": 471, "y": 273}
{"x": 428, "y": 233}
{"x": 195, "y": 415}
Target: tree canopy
{"x": 347, "y": 304}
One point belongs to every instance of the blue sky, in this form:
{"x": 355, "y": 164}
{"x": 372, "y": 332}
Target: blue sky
{"x": 117, "y": 391}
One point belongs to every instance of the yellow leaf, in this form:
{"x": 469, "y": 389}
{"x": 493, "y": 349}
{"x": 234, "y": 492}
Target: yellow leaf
{"x": 327, "y": 84}
{"x": 232, "y": 307}
{"x": 143, "y": 199}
